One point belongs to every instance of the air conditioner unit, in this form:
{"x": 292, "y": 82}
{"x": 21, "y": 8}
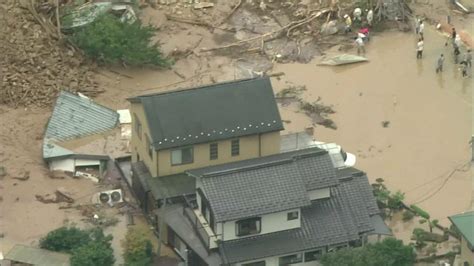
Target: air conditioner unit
{"x": 111, "y": 196}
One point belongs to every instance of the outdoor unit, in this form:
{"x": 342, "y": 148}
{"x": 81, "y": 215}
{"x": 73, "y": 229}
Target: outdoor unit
{"x": 111, "y": 196}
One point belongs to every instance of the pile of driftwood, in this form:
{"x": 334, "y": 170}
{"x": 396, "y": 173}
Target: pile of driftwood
{"x": 35, "y": 64}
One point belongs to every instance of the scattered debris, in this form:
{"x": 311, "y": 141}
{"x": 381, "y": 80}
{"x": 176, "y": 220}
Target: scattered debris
{"x": 318, "y": 113}
{"x": 291, "y": 92}
{"x": 385, "y": 123}
{"x": 3, "y": 171}
{"x": 60, "y": 195}
{"x": 89, "y": 12}
{"x": 343, "y": 59}
{"x": 87, "y": 175}
{"x": 202, "y": 5}
{"x": 36, "y": 66}
{"x": 24, "y": 177}
{"x": 58, "y": 174}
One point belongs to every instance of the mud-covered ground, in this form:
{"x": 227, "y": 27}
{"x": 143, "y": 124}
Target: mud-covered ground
{"x": 427, "y": 137}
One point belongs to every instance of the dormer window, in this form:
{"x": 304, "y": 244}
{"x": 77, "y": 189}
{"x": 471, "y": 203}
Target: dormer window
{"x": 249, "y": 226}
{"x": 292, "y": 215}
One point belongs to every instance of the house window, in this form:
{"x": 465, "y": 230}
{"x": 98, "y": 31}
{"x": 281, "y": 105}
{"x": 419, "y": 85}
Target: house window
{"x": 138, "y": 126}
{"x": 313, "y": 255}
{"x": 149, "y": 146}
{"x": 248, "y": 226}
{"x": 292, "y": 215}
{"x": 287, "y": 260}
{"x": 257, "y": 263}
{"x": 213, "y": 151}
{"x": 182, "y": 156}
{"x": 235, "y": 147}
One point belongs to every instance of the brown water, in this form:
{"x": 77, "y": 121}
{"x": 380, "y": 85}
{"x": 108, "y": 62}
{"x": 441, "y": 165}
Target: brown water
{"x": 429, "y": 114}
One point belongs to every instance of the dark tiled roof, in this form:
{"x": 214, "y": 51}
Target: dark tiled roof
{"x": 265, "y": 185}
{"x": 164, "y": 186}
{"x": 254, "y": 192}
{"x": 172, "y": 186}
{"x": 212, "y": 112}
{"x": 325, "y": 222}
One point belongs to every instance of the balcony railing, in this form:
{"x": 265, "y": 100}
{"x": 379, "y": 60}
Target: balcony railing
{"x": 200, "y": 226}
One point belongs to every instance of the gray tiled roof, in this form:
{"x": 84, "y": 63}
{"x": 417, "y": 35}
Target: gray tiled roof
{"x": 266, "y": 184}
{"x": 73, "y": 117}
{"x": 325, "y": 222}
{"x": 254, "y": 192}
{"x": 164, "y": 186}
{"x": 211, "y": 112}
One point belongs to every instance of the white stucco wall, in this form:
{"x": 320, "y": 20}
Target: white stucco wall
{"x": 69, "y": 164}
{"x": 270, "y": 223}
{"x": 62, "y": 164}
{"x": 84, "y": 162}
{"x": 319, "y": 194}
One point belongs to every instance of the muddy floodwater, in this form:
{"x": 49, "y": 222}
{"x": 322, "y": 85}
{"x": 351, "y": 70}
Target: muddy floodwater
{"x": 429, "y": 118}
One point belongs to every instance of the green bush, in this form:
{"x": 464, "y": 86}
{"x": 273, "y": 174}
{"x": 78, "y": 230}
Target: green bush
{"x": 88, "y": 247}
{"x": 65, "y": 239}
{"x": 420, "y": 212}
{"x": 110, "y": 41}
{"x": 407, "y": 216}
{"x": 395, "y": 200}
{"x": 389, "y": 252}
{"x": 94, "y": 253}
{"x": 138, "y": 248}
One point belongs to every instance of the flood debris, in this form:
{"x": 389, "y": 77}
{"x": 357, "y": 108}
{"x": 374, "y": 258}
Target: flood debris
{"x": 3, "y": 171}
{"x": 77, "y": 17}
{"x": 342, "y": 59}
{"x": 289, "y": 95}
{"x": 25, "y": 176}
{"x": 202, "y": 5}
{"x": 36, "y": 66}
{"x": 318, "y": 113}
{"x": 60, "y": 195}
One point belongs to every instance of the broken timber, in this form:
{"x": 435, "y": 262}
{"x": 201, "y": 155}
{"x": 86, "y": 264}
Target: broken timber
{"x": 289, "y": 27}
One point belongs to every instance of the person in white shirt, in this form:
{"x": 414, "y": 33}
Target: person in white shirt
{"x": 358, "y": 14}
{"x": 421, "y": 29}
{"x": 360, "y": 45}
{"x": 419, "y": 49}
{"x": 370, "y": 17}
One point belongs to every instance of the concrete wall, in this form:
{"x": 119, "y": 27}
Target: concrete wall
{"x": 466, "y": 253}
{"x": 270, "y": 223}
{"x": 319, "y": 194}
{"x": 274, "y": 261}
{"x": 138, "y": 146}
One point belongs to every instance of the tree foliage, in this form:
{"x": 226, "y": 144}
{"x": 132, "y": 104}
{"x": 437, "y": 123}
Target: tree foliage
{"x": 88, "y": 247}
{"x": 65, "y": 239}
{"x": 138, "y": 248}
{"x": 110, "y": 41}
{"x": 92, "y": 254}
{"x": 389, "y": 252}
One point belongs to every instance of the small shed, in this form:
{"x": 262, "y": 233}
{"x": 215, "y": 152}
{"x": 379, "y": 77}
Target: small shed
{"x": 76, "y": 123}
{"x": 25, "y": 255}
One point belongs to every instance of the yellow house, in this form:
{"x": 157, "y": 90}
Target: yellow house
{"x": 209, "y": 125}
{"x": 464, "y": 223}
